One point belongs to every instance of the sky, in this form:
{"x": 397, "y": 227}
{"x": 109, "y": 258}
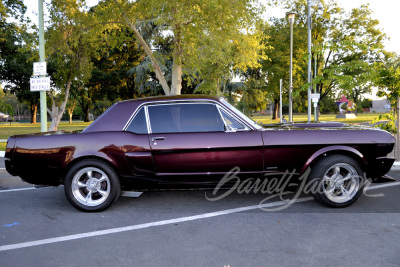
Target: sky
{"x": 386, "y": 11}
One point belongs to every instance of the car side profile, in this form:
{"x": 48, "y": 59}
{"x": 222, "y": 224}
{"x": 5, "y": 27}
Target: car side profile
{"x": 192, "y": 141}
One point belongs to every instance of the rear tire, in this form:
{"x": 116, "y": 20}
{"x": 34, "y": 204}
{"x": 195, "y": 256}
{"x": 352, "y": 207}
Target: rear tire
{"x": 339, "y": 180}
{"x": 92, "y": 185}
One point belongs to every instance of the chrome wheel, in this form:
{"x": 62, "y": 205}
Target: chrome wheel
{"x": 341, "y": 182}
{"x": 90, "y": 186}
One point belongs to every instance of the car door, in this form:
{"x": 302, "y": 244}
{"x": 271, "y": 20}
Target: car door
{"x": 193, "y": 143}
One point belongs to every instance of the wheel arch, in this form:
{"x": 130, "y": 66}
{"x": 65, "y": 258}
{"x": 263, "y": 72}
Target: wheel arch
{"x": 87, "y": 157}
{"x": 336, "y": 150}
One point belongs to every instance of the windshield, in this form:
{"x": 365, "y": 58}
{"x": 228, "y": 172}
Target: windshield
{"x": 241, "y": 115}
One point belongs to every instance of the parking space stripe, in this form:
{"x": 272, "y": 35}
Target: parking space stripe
{"x": 144, "y": 225}
{"x": 17, "y": 189}
{"x": 382, "y": 186}
{"x": 160, "y": 223}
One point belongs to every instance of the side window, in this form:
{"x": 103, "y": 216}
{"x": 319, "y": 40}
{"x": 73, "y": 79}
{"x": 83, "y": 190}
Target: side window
{"x": 185, "y": 118}
{"x": 230, "y": 121}
{"x": 138, "y": 124}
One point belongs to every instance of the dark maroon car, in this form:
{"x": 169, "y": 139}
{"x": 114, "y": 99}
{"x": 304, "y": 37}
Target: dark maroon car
{"x": 192, "y": 141}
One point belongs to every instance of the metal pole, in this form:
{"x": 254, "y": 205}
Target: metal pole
{"x": 315, "y": 87}
{"x": 309, "y": 2}
{"x": 280, "y": 100}
{"x": 290, "y": 71}
{"x": 43, "y": 104}
{"x": 397, "y": 145}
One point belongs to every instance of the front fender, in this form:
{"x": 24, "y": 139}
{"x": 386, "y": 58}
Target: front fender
{"x": 346, "y": 150}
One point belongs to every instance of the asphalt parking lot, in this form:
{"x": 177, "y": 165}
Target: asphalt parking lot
{"x": 38, "y": 227}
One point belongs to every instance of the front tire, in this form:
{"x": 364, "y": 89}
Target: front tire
{"x": 92, "y": 185}
{"x": 339, "y": 180}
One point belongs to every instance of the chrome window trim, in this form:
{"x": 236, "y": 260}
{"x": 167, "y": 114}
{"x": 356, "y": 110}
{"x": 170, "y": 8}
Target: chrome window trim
{"x": 246, "y": 120}
{"x": 133, "y": 117}
{"x": 146, "y": 110}
{"x": 222, "y": 117}
{"x": 186, "y": 101}
{"x": 234, "y": 117}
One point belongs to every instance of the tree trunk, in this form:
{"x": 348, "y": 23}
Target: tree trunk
{"x": 33, "y": 110}
{"x": 70, "y": 117}
{"x": 19, "y": 114}
{"x": 275, "y": 109}
{"x": 147, "y": 49}
{"x": 176, "y": 85}
{"x": 57, "y": 112}
{"x": 86, "y": 113}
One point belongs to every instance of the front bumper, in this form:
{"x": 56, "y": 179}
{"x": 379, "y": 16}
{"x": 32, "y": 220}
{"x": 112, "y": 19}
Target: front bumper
{"x": 379, "y": 167}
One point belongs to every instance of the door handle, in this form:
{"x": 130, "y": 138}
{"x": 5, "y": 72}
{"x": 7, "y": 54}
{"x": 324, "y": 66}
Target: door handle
{"x": 154, "y": 139}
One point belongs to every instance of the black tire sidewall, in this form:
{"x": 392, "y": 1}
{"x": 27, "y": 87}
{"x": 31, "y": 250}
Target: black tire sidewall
{"x": 320, "y": 169}
{"x": 115, "y": 187}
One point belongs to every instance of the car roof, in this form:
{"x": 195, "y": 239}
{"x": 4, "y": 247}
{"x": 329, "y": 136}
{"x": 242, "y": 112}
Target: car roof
{"x": 175, "y": 97}
{"x": 116, "y": 117}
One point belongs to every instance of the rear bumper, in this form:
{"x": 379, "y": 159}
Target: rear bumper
{"x": 379, "y": 167}
{"x": 9, "y": 167}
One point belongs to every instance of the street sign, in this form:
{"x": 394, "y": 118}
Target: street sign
{"x": 40, "y": 84}
{"x": 39, "y": 68}
{"x": 315, "y": 97}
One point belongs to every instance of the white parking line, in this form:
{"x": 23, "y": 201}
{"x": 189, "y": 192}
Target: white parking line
{"x": 144, "y": 225}
{"x": 18, "y": 189}
{"x": 160, "y": 223}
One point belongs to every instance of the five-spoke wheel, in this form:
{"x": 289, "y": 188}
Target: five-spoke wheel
{"x": 339, "y": 181}
{"x": 92, "y": 185}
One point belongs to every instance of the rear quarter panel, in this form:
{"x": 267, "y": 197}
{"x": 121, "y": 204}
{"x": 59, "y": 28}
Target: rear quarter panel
{"x": 44, "y": 159}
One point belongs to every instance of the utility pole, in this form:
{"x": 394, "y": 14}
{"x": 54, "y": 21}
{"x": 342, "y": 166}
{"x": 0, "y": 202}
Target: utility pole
{"x": 280, "y": 100}
{"x": 309, "y": 3}
{"x": 315, "y": 87}
{"x": 43, "y": 104}
{"x": 291, "y": 16}
{"x": 397, "y": 118}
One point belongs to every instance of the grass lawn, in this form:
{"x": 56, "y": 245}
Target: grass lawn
{"x": 7, "y": 130}
{"x": 362, "y": 117}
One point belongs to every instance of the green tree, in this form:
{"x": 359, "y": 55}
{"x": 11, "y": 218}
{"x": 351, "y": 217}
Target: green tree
{"x": 345, "y": 46}
{"x": 276, "y": 67}
{"x": 17, "y": 53}
{"x": 70, "y": 46}
{"x": 202, "y": 32}
{"x": 387, "y": 78}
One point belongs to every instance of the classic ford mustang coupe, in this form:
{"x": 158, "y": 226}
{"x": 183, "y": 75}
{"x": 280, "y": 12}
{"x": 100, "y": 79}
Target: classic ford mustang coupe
{"x": 192, "y": 141}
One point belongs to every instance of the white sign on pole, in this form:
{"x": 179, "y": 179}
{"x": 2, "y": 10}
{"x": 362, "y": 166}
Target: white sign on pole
{"x": 39, "y": 68}
{"x": 40, "y": 84}
{"x": 315, "y": 97}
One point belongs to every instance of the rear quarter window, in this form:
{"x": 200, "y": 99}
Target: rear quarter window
{"x": 138, "y": 125}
